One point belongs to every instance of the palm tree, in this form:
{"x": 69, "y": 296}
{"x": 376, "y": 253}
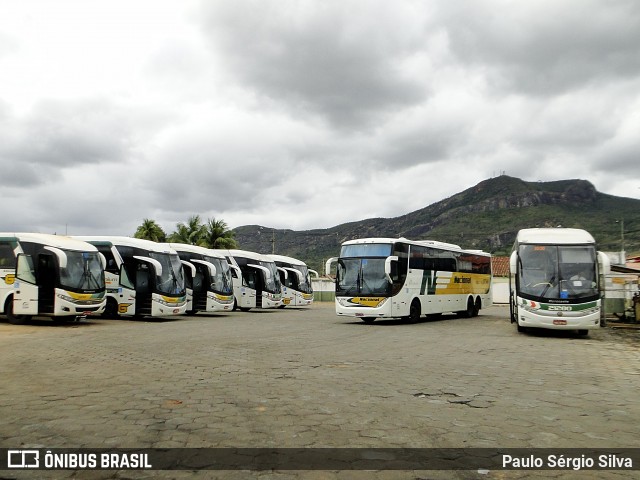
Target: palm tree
{"x": 218, "y": 235}
{"x": 150, "y": 230}
{"x": 191, "y": 233}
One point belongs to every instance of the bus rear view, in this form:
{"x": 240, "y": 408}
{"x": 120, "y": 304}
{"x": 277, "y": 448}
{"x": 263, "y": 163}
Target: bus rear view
{"x": 555, "y": 280}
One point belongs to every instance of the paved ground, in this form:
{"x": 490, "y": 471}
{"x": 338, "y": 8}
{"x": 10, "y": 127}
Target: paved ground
{"x": 307, "y": 378}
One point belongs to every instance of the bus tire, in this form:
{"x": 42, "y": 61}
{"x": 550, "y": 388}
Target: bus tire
{"x": 111, "y": 309}
{"x": 583, "y": 333}
{"x": 468, "y": 313}
{"x": 415, "y": 310}
{"x": 14, "y": 319}
{"x": 244, "y": 309}
{"x": 477, "y": 306}
{"x": 368, "y": 319}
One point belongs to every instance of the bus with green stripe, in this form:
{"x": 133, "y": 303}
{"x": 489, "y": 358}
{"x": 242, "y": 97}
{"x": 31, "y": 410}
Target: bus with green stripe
{"x": 50, "y": 276}
{"x": 556, "y": 280}
{"x": 380, "y": 278}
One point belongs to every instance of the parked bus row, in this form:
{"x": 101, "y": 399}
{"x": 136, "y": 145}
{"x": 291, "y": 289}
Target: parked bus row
{"x": 556, "y": 280}
{"x": 72, "y": 277}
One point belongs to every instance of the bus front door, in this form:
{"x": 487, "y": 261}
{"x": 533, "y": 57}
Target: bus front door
{"x": 25, "y": 293}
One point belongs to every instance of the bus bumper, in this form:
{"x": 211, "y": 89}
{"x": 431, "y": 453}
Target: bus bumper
{"x": 163, "y": 306}
{"x": 219, "y": 303}
{"x": 363, "y": 307}
{"x": 67, "y": 306}
{"x": 559, "y": 320}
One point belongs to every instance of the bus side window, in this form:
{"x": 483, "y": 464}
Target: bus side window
{"x": 7, "y": 257}
{"x": 112, "y": 266}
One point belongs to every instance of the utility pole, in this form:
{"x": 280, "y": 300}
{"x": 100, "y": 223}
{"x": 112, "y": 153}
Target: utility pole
{"x": 623, "y": 257}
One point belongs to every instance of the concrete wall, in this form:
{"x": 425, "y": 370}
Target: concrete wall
{"x": 500, "y": 289}
{"x": 324, "y": 289}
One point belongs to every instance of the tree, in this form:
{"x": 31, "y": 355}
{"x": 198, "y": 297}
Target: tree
{"x": 218, "y": 235}
{"x": 150, "y": 230}
{"x": 191, "y": 233}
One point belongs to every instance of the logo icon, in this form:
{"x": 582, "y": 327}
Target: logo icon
{"x": 23, "y": 458}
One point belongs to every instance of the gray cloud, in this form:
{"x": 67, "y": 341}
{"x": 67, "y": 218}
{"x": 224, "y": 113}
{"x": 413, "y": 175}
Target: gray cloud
{"x": 58, "y": 135}
{"x": 342, "y": 61}
{"x": 546, "y": 47}
{"x": 305, "y": 114}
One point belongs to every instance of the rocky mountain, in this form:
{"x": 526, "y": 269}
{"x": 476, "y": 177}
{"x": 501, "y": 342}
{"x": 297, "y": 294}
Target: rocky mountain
{"x": 486, "y": 216}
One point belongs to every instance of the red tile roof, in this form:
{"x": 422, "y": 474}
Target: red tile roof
{"x": 500, "y": 266}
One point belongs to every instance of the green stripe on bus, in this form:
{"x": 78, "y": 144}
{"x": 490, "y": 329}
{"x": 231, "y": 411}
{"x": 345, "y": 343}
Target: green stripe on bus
{"x": 566, "y": 307}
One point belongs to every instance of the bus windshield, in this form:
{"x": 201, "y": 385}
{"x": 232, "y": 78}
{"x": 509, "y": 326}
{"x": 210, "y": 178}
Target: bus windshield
{"x": 171, "y": 282}
{"x": 272, "y": 281}
{"x": 558, "y": 272}
{"x": 83, "y": 271}
{"x": 304, "y": 282}
{"x": 222, "y": 281}
{"x": 362, "y": 276}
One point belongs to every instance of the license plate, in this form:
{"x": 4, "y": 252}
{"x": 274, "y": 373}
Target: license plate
{"x": 559, "y": 322}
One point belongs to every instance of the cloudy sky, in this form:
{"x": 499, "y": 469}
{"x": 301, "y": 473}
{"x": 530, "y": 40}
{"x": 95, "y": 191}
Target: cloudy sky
{"x": 303, "y": 113}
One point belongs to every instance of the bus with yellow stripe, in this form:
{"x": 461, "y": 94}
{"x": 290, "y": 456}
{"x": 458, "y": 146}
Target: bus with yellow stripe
{"x": 378, "y": 278}
{"x": 143, "y": 278}
{"x": 295, "y": 279}
{"x": 51, "y": 276}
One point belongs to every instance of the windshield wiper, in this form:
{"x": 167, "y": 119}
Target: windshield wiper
{"x": 549, "y": 285}
{"x": 87, "y": 279}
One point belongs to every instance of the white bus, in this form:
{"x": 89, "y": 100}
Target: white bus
{"x": 256, "y": 283}
{"x": 555, "y": 280}
{"x": 143, "y": 278}
{"x": 295, "y": 281}
{"x": 49, "y": 275}
{"x": 208, "y": 279}
{"x": 399, "y": 278}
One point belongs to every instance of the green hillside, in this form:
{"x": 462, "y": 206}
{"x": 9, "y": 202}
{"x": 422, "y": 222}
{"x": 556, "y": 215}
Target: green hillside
{"x": 486, "y": 216}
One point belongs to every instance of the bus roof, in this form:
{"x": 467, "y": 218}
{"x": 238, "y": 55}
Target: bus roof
{"x": 184, "y": 247}
{"x": 244, "y": 254}
{"x": 554, "y": 236}
{"x": 58, "y": 241}
{"x": 129, "y": 242}
{"x": 424, "y": 243}
{"x": 285, "y": 259}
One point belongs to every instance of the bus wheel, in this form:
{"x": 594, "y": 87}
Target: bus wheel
{"x": 468, "y": 313}
{"x": 244, "y": 309}
{"x": 14, "y": 319}
{"x": 414, "y": 311}
{"x": 476, "y": 307}
{"x": 368, "y": 319}
{"x": 583, "y": 333}
{"x": 111, "y": 310}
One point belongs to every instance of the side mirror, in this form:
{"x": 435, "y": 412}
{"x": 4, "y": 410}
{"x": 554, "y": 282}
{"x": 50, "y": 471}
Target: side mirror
{"x": 604, "y": 264}
{"x": 328, "y": 264}
{"x": 513, "y": 263}
{"x": 103, "y": 260}
{"x": 387, "y": 267}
